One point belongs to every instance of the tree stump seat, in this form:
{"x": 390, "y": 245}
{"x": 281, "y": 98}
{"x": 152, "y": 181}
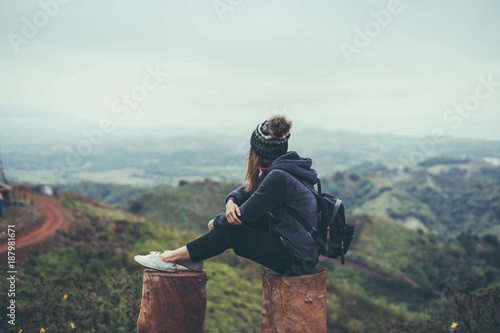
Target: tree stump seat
{"x": 173, "y": 302}
{"x": 294, "y": 303}
{"x": 176, "y": 302}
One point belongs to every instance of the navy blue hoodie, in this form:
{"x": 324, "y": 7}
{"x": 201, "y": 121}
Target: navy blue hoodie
{"x": 279, "y": 188}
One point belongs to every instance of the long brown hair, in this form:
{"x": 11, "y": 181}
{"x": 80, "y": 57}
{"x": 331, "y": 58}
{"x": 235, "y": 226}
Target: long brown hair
{"x": 255, "y": 166}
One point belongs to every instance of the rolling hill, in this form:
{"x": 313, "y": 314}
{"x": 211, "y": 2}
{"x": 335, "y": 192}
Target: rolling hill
{"x": 445, "y": 196}
{"x": 87, "y": 276}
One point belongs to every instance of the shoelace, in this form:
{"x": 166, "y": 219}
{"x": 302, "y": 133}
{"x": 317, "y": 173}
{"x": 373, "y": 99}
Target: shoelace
{"x": 158, "y": 252}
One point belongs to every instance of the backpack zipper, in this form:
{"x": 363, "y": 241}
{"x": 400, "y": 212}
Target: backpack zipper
{"x": 342, "y": 260}
{"x": 269, "y": 219}
{"x": 327, "y": 237}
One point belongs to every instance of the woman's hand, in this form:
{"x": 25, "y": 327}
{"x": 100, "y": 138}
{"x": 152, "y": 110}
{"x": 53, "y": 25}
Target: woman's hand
{"x": 232, "y": 213}
{"x": 211, "y": 225}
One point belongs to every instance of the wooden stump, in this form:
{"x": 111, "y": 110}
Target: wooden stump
{"x": 173, "y": 302}
{"x": 294, "y": 303}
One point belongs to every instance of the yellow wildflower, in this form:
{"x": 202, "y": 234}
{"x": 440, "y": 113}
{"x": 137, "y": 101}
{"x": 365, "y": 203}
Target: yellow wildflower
{"x": 65, "y": 297}
{"x": 42, "y": 330}
{"x": 21, "y": 330}
{"x": 454, "y": 325}
{"x": 72, "y": 325}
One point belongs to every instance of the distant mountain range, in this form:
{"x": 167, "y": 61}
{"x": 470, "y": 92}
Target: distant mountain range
{"x": 124, "y": 156}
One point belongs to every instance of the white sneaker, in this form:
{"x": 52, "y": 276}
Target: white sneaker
{"x": 153, "y": 261}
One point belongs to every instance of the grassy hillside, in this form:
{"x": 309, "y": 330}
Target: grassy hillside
{"x": 398, "y": 251}
{"x": 106, "y": 192}
{"x": 445, "y": 196}
{"x": 463, "y": 308}
{"x": 88, "y": 278}
{"x": 389, "y": 248}
{"x": 188, "y": 207}
{"x": 93, "y": 266}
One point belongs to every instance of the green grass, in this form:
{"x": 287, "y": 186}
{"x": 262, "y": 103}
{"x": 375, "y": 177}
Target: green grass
{"x": 93, "y": 266}
{"x": 188, "y": 207}
{"x": 395, "y": 250}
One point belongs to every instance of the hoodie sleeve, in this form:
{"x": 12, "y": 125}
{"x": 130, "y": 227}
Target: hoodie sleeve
{"x": 270, "y": 193}
{"x": 239, "y": 196}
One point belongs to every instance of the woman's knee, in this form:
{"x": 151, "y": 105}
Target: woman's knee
{"x": 223, "y": 234}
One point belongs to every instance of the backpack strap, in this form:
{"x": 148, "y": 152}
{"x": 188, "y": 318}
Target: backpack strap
{"x": 310, "y": 229}
{"x": 338, "y": 202}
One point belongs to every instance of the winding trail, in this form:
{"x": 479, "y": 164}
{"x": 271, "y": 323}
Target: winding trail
{"x": 371, "y": 270}
{"x": 38, "y": 236}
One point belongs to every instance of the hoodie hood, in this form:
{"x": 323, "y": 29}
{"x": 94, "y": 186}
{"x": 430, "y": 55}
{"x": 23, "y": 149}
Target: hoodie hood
{"x": 296, "y": 165}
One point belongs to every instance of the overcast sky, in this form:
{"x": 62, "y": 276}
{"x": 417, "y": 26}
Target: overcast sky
{"x": 326, "y": 63}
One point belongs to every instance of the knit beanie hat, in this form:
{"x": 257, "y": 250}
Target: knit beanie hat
{"x": 270, "y": 138}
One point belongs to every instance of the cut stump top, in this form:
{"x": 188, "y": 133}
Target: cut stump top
{"x": 178, "y": 274}
{"x": 270, "y": 273}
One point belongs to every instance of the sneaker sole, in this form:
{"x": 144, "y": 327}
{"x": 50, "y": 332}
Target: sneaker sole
{"x": 187, "y": 268}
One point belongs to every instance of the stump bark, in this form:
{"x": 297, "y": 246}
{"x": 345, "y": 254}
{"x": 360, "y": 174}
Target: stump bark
{"x": 173, "y": 302}
{"x": 294, "y": 303}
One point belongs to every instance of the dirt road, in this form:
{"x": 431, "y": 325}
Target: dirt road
{"x": 371, "y": 270}
{"x": 38, "y": 236}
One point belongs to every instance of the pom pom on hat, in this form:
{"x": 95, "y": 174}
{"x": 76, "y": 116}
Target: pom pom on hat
{"x": 279, "y": 127}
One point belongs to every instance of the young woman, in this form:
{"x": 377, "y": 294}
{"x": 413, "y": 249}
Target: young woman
{"x": 256, "y": 225}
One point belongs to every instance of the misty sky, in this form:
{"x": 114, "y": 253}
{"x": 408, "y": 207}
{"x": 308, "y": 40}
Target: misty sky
{"x": 238, "y": 65}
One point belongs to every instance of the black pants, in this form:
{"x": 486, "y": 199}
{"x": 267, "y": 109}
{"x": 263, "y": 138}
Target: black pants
{"x": 253, "y": 242}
